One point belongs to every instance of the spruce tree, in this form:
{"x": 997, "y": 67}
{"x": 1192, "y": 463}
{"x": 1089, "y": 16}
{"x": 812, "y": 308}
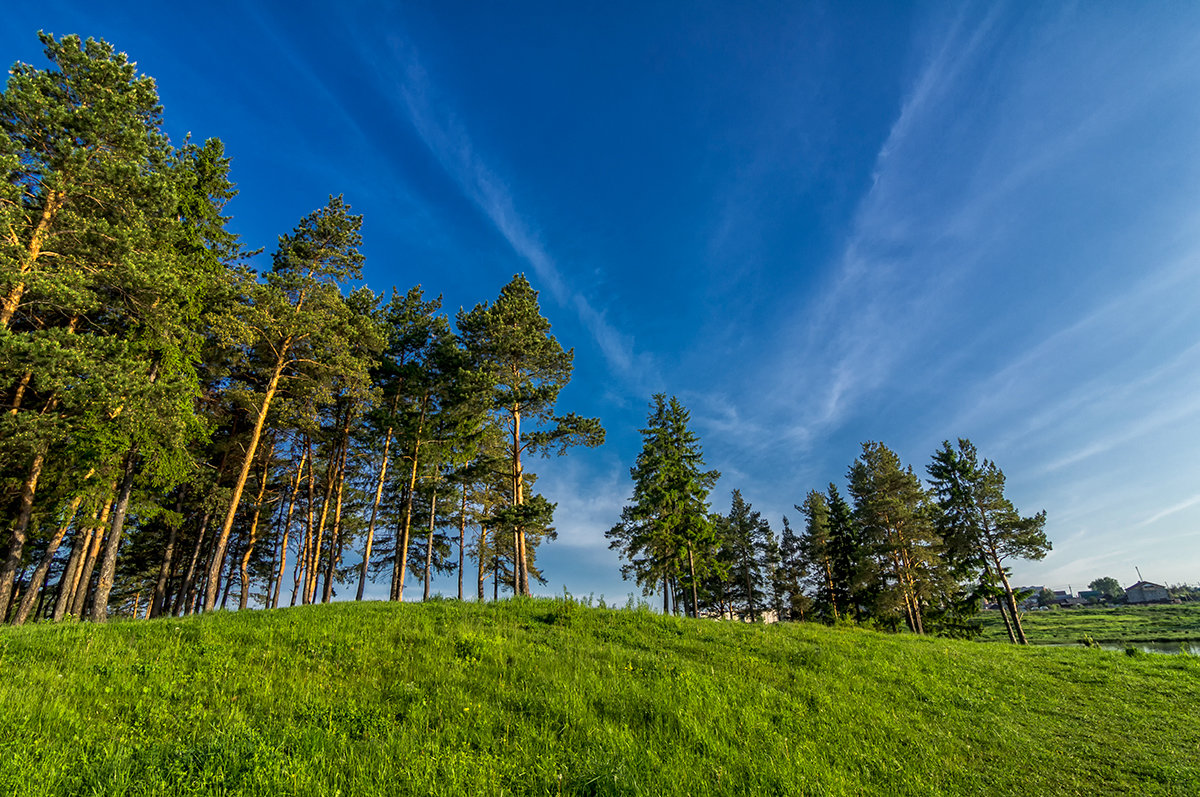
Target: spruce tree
{"x": 744, "y": 536}
{"x": 664, "y": 534}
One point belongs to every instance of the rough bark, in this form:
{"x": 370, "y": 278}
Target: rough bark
{"x": 244, "y": 565}
{"x": 287, "y": 525}
{"x": 188, "y": 585}
{"x": 313, "y": 564}
{"x": 39, "y": 574}
{"x": 482, "y": 559}
{"x": 429, "y": 539}
{"x": 692, "y": 576}
{"x": 20, "y": 531}
{"x": 12, "y": 300}
{"x": 335, "y": 538}
{"x": 1011, "y": 600}
{"x": 164, "y": 572}
{"x": 108, "y": 567}
{"x": 362, "y": 577}
{"x": 401, "y": 566}
{"x": 222, "y": 539}
{"x": 70, "y": 576}
{"x": 83, "y": 586}
{"x": 299, "y": 574}
{"x": 462, "y": 538}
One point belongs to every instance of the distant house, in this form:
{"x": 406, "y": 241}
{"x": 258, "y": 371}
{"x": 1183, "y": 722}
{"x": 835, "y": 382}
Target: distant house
{"x": 1146, "y": 592}
{"x": 1031, "y": 600}
{"x": 1091, "y": 595}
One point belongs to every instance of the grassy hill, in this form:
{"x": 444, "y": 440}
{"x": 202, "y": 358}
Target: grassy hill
{"x": 550, "y": 697}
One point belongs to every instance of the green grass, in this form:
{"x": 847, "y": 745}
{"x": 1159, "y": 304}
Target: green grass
{"x": 548, "y": 697}
{"x": 1165, "y": 623}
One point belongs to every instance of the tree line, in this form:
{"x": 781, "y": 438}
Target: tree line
{"x": 894, "y": 552}
{"x": 180, "y": 430}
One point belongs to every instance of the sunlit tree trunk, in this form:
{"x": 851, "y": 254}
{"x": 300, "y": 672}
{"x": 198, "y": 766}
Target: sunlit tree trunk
{"x": 429, "y": 538}
{"x": 299, "y": 575}
{"x": 482, "y": 560}
{"x": 387, "y": 444}
{"x": 70, "y": 576}
{"x": 335, "y": 538}
{"x": 39, "y": 574}
{"x": 12, "y": 300}
{"x": 692, "y": 577}
{"x": 401, "y": 565}
{"x": 252, "y": 537}
{"x": 16, "y": 541}
{"x": 83, "y": 586}
{"x": 281, "y": 556}
{"x": 222, "y": 539}
{"x": 462, "y": 538}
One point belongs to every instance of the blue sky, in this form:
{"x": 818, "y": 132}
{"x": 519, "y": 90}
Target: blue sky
{"x": 817, "y": 224}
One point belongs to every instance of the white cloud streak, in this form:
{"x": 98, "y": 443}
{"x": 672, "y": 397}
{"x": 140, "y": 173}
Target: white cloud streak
{"x": 451, "y": 145}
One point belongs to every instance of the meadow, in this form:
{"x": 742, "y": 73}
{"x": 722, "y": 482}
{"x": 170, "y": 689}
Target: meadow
{"x": 553, "y": 697}
{"x": 1152, "y": 623}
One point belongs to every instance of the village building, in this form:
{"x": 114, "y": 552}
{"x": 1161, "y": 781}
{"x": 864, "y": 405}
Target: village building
{"x": 1146, "y": 592}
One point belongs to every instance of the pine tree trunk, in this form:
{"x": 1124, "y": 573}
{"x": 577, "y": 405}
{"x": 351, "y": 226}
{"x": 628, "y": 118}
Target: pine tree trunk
{"x": 479, "y": 551}
{"x": 516, "y": 566}
{"x": 281, "y": 556}
{"x": 244, "y": 598}
{"x": 83, "y": 586}
{"x": 335, "y": 538}
{"x": 1011, "y": 600}
{"x": 401, "y": 565}
{"x": 314, "y": 563}
{"x": 39, "y": 574}
{"x": 462, "y": 538}
{"x": 16, "y": 541}
{"x": 8, "y": 307}
{"x": 910, "y": 583}
{"x": 692, "y": 576}
{"x": 19, "y": 392}
{"x": 222, "y": 539}
{"x": 521, "y": 555}
{"x": 750, "y": 598}
{"x": 299, "y": 575}
{"x": 909, "y": 618}
{"x": 164, "y": 572}
{"x": 70, "y": 575}
{"x": 1009, "y": 597}
{"x": 108, "y": 567}
{"x": 185, "y": 589}
{"x": 429, "y": 539}
{"x": 312, "y": 566}
{"x": 159, "y": 598}
{"x": 1002, "y": 606}
{"x": 387, "y": 444}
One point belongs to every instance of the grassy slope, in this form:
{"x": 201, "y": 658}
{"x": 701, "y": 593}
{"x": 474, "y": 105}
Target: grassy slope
{"x": 538, "y": 697}
{"x": 1165, "y": 623}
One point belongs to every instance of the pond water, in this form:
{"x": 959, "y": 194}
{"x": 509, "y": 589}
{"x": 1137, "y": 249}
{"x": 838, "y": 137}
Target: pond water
{"x": 1191, "y": 646}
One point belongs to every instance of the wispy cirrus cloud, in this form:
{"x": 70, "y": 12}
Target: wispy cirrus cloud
{"x": 450, "y": 143}
{"x": 1171, "y": 510}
